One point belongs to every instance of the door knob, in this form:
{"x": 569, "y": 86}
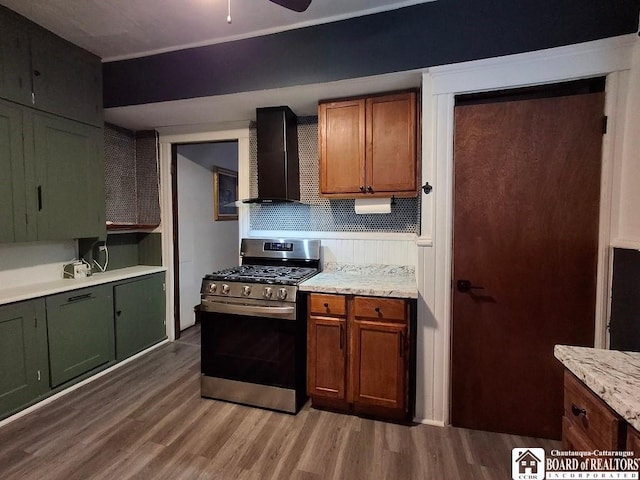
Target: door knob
{"x": 467, "y": 286}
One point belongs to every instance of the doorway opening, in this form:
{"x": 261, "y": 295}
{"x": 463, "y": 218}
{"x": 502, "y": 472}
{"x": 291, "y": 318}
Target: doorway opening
{"x": 205, "y": 238}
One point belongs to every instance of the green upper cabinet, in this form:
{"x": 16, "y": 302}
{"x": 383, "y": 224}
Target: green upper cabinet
{"x": 15, "y": 62}
{"x": 80, "y": 328}
{"x": 67, "y": 80}
{"x": 43, "y": 71}
{"x": 13, "y": 221}
{"x": 24, "y": 374}
{"x": 140, "y": 314}
{"x": 69, "y": 179}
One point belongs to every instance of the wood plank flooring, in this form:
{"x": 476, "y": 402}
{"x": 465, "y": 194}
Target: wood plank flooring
{"x": 146, "y": 420}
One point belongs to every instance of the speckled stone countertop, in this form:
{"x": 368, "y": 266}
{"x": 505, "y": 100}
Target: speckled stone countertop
{"x": 611, "y": 374}
{"x": 372, "y": 280}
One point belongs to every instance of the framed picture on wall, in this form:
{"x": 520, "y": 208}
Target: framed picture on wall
{"x": 225, "y": 191}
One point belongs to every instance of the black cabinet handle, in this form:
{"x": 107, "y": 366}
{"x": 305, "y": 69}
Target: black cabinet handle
{"x": 119, "y": 312}
{"x": 36, "y": 73}
{"x": 39, "y": 198}
{"x": 369, "y": 189}
{"x": 467, "y": 286}
{"x": 362, "y": 188}
{"x": 578, "y": 411}
{"x": 77, "y": 298}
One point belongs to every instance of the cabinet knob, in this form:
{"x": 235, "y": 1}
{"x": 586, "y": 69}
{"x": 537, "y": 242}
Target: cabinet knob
{"x": 326, "y": 305}
{"x": 578, "y": 411}
{"x": 377, "y": 309}
{"x": 369, "y": 189}
{"x": 362, "y": 188}
{"x": 119, "y": 312}
{"x": 36, "y": 73}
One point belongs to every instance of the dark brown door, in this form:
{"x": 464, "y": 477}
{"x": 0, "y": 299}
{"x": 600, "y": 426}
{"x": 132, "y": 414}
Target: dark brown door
{"x": 526, "y": 204}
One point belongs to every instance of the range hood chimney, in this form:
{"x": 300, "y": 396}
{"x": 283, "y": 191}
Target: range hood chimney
{"x": 278, "y": 170}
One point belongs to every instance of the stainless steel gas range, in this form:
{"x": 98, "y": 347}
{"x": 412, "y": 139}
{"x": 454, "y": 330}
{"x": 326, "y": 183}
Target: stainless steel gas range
{"x": 254, "y": 325}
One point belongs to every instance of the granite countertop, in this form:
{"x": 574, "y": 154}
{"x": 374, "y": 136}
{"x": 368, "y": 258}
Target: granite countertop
{"x": 611, "y": 374}
{"x": 372, "y": 280}
{"x": 35, "y": 290}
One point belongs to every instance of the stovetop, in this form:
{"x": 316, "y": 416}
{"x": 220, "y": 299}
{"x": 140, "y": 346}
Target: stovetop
{"x": 268, "y": 274}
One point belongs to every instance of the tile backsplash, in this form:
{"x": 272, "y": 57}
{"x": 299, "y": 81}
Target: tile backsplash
{"x": 321, "y": 214}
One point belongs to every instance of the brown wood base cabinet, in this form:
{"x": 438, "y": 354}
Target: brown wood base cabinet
{"x": 589, "y": 423}
{"x": 359, "y": 353}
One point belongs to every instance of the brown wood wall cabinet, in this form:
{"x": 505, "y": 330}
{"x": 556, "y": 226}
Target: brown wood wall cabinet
{"x": 359, "y": 354}
{"x": 368, "y": 146}
{"x": 589, "y": 423}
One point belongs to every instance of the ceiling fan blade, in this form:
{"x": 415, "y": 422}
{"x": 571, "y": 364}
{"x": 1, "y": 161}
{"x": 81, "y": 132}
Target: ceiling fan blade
{"x": 295, "y": 5}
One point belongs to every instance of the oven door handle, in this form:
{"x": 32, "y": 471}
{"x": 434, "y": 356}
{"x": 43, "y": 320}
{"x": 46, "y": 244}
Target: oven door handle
{"x": 249, "y": 310}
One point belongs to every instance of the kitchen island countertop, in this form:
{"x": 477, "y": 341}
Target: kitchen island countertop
{"x": 612, "y": 375}
{"x": 370, "y": 280}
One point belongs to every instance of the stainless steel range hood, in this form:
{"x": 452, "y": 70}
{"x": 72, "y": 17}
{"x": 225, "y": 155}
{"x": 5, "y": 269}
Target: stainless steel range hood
{"x": 278, "y": 170}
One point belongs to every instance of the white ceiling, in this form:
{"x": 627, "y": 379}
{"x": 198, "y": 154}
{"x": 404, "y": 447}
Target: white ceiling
{"x": 119, "y": 29}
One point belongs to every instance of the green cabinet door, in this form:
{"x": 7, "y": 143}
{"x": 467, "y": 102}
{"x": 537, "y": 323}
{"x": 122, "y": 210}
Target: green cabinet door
{"x": 67, "y": 80}
{"x": 15, "y": 64}
{"x": 68, "y": 195}
{"x": 24, "y": 375}
{"x": 12, "y": 181}
{"x": 80, "y": 328}
{"x": 140, "y": 314}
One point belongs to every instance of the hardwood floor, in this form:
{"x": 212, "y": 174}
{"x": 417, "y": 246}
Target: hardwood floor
{"x": 146, "y": 420}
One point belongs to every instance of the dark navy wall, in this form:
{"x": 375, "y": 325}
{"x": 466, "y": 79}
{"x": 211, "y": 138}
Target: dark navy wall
{"x": 436, "y": 33}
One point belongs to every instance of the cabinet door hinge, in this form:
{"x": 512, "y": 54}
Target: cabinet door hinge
{"x": 605, "y": 121}
{"x": 38, "y": 375}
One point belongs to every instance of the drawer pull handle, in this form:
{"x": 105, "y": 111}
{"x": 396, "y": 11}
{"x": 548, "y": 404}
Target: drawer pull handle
{"x": 578, "y": 411}
{"x": 77, "y": 298}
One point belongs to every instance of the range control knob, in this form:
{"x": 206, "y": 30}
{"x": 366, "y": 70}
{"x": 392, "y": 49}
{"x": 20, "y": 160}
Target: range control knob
{"x": 282, "y": 293}
{"x": 246, "y": 290}
{"x": 225, "y": 289}
{"x": 212, "y": 288}
{"x": 268, "y": 292}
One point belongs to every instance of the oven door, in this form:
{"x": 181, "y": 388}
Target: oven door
{"x": 252, "y": 342}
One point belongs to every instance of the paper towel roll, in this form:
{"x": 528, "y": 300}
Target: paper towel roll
{"x": 367, "y": 206}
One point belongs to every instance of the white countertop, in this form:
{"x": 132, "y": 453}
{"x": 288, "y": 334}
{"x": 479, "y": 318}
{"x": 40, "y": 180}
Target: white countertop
{"x": 34, "y": 290}
{"x": 611, "y": 374}
{"x": 370, "y": 280}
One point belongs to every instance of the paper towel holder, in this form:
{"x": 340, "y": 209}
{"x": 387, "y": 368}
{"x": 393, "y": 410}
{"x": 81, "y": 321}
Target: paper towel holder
{"x": 426, "y": 188}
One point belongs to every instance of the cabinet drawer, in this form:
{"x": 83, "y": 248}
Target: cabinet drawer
{"x": 375, "y": 308}
{"x": 589, "y": 415}
{"x": 334, "y": 305}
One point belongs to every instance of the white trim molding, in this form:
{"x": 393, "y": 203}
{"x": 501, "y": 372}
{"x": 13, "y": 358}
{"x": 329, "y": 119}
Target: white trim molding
{"x": 609, "y": 57}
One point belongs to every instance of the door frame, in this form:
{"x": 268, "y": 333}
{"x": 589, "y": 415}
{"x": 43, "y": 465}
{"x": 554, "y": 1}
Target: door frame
{"x": 168, "y": 138}
{"x": 610, "y": 58}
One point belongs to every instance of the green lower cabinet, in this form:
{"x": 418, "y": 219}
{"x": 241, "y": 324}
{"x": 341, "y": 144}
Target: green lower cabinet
{"x": 80, "y": 328}
{"x": 24, "y": 375}
{"x": 140, "y": 314}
